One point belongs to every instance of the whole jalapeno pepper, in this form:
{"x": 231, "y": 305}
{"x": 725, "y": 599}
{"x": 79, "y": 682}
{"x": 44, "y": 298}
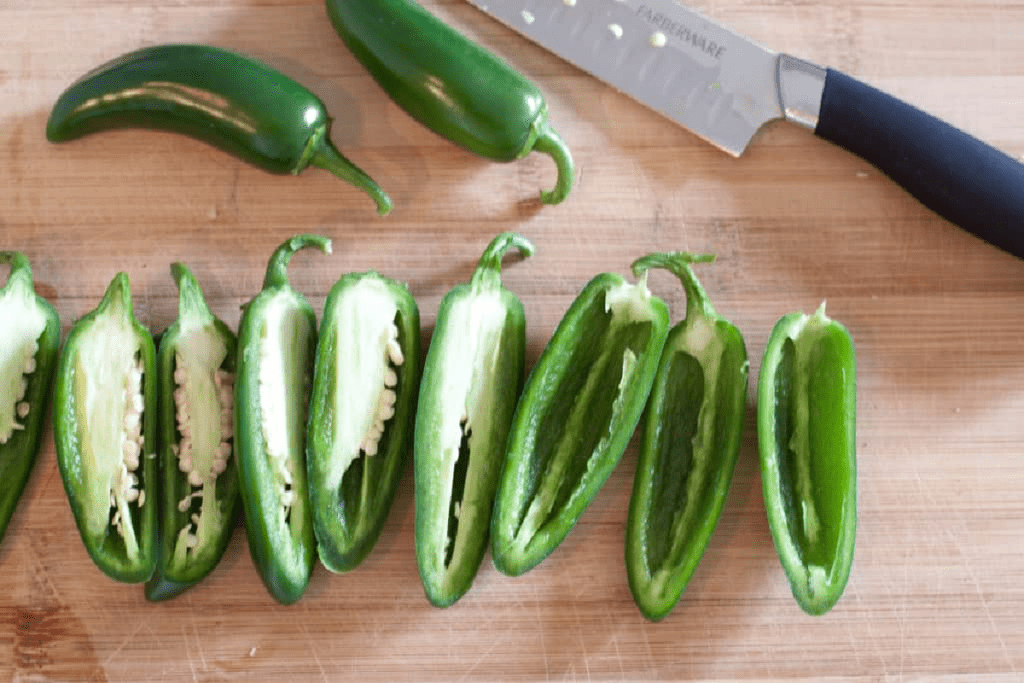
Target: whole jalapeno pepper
{"x": 471, "y": 380}
{"x": 277, "y": 339}
{"x": 450, "y": 84}
{"x": 220, "y": 97}
{"x": 362, "y": 408}
{"x": 690, "y": 442}
{"x": 577, "y": 413}
{"x": 105, "y": 434}
{"x": 806, "y": 415}
{"x": 29, "y": 339}
{"x": 198, "y": 476}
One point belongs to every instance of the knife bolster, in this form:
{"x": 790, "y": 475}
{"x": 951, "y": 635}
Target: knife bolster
{"x": 801, "y": 85}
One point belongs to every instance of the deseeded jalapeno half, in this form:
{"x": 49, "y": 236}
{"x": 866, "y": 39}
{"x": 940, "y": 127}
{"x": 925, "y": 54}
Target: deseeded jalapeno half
{"x": 690, "y": 443}
{"x": 577, "y": 413}
{"x": 223, "y": 98}
{"x": 450, "y": 84}
{"x": 361, "y": 413}
{"x": 806, "y": 428}
{"x": 198, "y": 476}
{"x": 105, "y": 435}
{"x": 471, "y": 380}
{"x": 276, "y": 348}
{"x": 29, "y": 338}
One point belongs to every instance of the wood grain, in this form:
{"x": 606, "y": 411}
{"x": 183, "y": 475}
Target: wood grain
{"x": 936, "y": 591}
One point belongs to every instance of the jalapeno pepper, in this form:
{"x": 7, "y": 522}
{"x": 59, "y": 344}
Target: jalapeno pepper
{"x": 450, "y": 84}
{"x": 580, "y": 406}
{"x": 806, "y": 414}
{"x": 471, "y": 380}
{"x": 105, "y": 434}
{"x": 29, "y": 339}
{"x": 365, "y": 382}
{"x": 198, "y": 478}
{"x": 277, "y": 339}
{"x": 220, "y": 97}
{"x": 690, "y": 442}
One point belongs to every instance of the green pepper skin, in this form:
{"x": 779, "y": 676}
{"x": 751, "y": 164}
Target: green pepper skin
{"x": 472, "y": 378}
{"x": 690, "y": 443}
{"x": 806, "y": 428}
{"x": 181, "y": 564}
{"x": 20, "y": 442}
{"x": 89, "y": 409}
{"x": 277, "y": 338}
{"x": 450, "y": 84}
{"x": 353, "y": 476}
{"x": 578, "y": 411}
{"x": 208, "y": 93}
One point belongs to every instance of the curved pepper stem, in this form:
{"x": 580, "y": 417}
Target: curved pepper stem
{"x": 277, "y": 268}
{"x": 550, "y": 143}
{"x": 678, "y": 263}
{"x": 322, "y": 153}
{"x": 488, "y": 268}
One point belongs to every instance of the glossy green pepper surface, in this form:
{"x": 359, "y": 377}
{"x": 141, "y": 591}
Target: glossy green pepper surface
{"x": 691, "y": 438}
{"x": 105, "y": 417}
{"x": 471, "y": 380}
{"x": 277, "y": 339}
{"x": 450, "y": 84}
{"x": 223, "y": 98}
{"x": 29, "y": 340}
{"x": 362, "y": 409}
{"x": 199, "y": 498}
{"x": 578, "y": 411}
{"x": 806, "y": 427}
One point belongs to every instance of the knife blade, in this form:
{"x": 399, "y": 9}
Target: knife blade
{"x": 725, "y": 88}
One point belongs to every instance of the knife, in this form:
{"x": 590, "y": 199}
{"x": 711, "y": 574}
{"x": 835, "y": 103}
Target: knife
{"x": 725, "y": 87}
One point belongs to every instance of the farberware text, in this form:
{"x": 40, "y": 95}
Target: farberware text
{"x": 674, "y": 28}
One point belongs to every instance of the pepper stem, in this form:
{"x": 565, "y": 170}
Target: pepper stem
{"x": 277, "y": 268}
{"x": 21, "y": 270}
{"x": 550, "y": 143}
{"x": 678, "y": 263}
{"x": 322, "y": 153}
{"x": 191, "y": 302}
{"x": 118, "y": 296}
{"x": 488, "y": 268}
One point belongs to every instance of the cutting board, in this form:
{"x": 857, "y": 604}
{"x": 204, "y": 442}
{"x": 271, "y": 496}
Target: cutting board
{"x": 936, "y": 314}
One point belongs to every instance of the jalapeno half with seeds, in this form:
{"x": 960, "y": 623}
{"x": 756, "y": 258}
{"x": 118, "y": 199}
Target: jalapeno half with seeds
{"x": 361, "y": 413}
{"x": 806, "y": 428}
{"x": 691, "y": 435}
{"x": 277, "y": 339}
{"x": 577, "y": 414}
{"x": 223, "y": 98}
{"x": 451, "y": 85}
{"x": 105, "y": 435}
{"x": 29, "y": 339}
{"x": 198, "y": 477}
{"x": 471, "y": 381}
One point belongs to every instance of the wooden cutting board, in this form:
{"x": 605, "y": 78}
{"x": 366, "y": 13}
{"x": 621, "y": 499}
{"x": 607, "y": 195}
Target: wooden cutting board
{"x": 935, "y": 592}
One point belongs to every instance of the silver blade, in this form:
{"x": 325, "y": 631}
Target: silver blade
{"x": 716, "y": 83}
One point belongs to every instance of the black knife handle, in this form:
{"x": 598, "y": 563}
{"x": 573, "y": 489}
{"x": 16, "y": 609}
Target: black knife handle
{"x": 964, "y": 180}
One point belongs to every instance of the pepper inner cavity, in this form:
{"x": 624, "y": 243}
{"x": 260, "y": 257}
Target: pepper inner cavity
{"x": 109, "y": 407}
{"x": 203, "y": 399}
{"x": 367, "y": 360}
{"x": 795, "y": 462}
{"x": 287, "y": 336}
{"x": 578, "y": 417}
{"x": 23, "y": 324}
{"x": 468, "y": 403}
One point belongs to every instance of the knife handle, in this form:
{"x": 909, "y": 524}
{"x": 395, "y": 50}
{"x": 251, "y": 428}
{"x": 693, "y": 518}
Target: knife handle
{"x": 959, "y": 177}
